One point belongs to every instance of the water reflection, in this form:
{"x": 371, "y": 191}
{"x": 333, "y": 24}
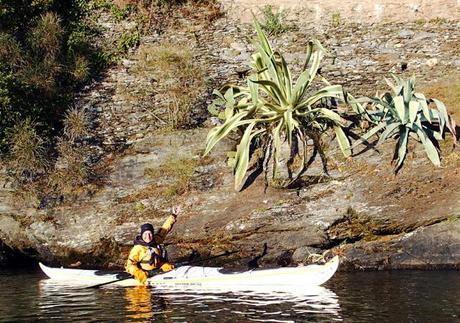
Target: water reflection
{"x": 139, "y": 304}
{"x": 208, "y": 305}
{"x": 146, "y": 304}
{"x": 410, "y": 296}
{"x": 58, "y": 301}
{"x": 399, "y": 296}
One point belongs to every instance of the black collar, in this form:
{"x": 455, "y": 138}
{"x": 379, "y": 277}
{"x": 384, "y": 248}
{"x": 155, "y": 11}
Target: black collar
{"x": 139, "y": 241}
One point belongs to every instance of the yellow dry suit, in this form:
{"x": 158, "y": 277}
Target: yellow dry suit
{"x": 144, "y": 257}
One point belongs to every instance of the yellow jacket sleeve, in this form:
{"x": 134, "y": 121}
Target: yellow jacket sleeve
{"x": 131, "y": 265}
{"x": 165, "y": 229}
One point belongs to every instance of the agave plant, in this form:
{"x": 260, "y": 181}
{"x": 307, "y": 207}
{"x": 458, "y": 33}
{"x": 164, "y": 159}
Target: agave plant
{"x": 272, "y": 110}
{"x": 407, "y": 113}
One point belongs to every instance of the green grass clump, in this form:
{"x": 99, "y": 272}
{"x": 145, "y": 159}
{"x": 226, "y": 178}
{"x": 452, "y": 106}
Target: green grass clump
{"x": 273, "y": 22}
{"x": 336, "y": 19}
{"x": 128, "y": 40}
{"x": 180, "y": 171}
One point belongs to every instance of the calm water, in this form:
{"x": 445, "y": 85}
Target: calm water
{"x": 408, "y": 296}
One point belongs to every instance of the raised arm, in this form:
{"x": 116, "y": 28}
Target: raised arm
{"x": 167, "y": 225}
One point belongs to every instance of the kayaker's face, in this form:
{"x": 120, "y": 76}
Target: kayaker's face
{"x": 147, "y": 236}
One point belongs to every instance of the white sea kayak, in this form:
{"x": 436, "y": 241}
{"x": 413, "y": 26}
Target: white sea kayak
{"x": 194, "y": 277}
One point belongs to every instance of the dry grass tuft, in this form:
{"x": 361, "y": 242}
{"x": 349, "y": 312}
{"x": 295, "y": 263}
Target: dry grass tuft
{"x": 10, "y": 50}
{"x": 203, "y": 10}
{"x": 122, "y": 4}
{"x": 46, "y": 36}
{"x": 71, "y": 171}
{"x": 26, "y": 164}
{"x": 36, "y": 180}
{"x": 81, "y": 69}
{"x": 273, "y": 22}
{"x": 76, "y": 124}
{"x": 453, "y": 159}
{"x": 72, "y": 168}
{"x": 45, "y": 39}
{"x": 27, "y": 157}
{"x": 179, "y": 81}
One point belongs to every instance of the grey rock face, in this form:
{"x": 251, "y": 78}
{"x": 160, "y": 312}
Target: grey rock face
{"x": 361, "y": 211}
{"x": 406, "y": 33}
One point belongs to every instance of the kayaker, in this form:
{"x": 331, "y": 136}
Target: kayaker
{"x": 148, "y": 252}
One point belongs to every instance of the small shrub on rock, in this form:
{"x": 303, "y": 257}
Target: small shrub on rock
{"x": 128, "y": 40}
{"x": 273, "y": 22}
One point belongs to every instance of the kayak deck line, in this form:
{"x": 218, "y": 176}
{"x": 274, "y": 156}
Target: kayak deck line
{"x": 189, "y": 276}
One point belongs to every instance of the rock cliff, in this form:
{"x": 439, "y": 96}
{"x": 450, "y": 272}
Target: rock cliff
{"x": 375, "y": 220}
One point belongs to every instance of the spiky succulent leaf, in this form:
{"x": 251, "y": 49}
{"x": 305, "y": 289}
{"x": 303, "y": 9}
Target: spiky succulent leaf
{"x": 407, "y": 91}
{"x": 242, "y": 154}
{"x": 444, "y": 118}
{"x": 302, "y": 83}
{"x": 430, "y": 148}
{"x": 263, "y": 40}
{"x": 334, "y": 91}
{"x": 331, "y": 115}
{"x": 277, "y": 145}
{"x": 290, "y": 124}
{"x": 423, "y": 104}
{"x": 369, "y": 134}
{"x": 219, "y": 132}
{"x": 317, "y": 53}
{"x": 400, "y": 108}
{"x": 273, "y": 90}
{"x": 390, "y": 131}
{"x": 254, "y": 89}
{"x": 402, "y": 146}
{"x": 343, "y": 141}
{"x": 413, "y": 111}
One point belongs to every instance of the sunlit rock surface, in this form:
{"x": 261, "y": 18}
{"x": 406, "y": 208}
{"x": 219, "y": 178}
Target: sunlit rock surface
{"x": 361, "y": 211}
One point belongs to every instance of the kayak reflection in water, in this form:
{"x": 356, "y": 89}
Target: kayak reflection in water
{"x": 148, "y": 252}
{"x": 143, "y": 305}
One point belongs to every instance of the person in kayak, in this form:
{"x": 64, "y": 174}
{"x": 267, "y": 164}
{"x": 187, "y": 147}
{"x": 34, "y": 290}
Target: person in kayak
{"x": 148, "y": 252}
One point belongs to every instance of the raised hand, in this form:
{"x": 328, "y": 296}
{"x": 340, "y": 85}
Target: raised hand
{"x": 176, "y": 210}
